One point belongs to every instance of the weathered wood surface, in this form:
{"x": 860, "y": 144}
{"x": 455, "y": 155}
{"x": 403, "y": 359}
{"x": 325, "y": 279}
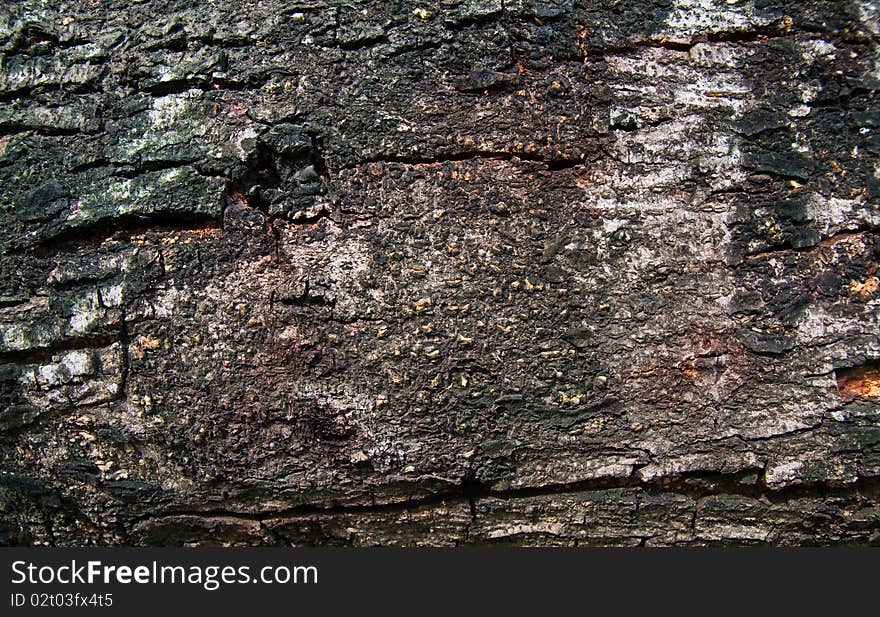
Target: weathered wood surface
{"x": 470, "y": 271}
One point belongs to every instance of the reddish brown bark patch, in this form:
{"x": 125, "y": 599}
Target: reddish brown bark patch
{"x": 860, "y": 381}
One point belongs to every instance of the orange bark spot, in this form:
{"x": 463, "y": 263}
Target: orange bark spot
{"x": 867, "y": 288}
{"x": 860, "y": 382}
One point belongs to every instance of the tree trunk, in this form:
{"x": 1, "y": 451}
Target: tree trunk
{"x": 459, "y": 272}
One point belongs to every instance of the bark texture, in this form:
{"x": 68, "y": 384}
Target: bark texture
{"x": 454, "y": 272}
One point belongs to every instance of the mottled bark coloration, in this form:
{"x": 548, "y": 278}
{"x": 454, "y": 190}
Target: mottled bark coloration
{"x": 439, "y": 273}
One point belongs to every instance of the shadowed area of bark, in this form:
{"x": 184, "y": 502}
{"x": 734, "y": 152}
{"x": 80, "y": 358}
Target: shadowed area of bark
{"x": 439, "y": 273}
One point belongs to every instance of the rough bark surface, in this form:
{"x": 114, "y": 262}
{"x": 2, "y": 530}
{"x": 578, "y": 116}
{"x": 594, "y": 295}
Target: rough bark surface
{"x": 455, "y": 272}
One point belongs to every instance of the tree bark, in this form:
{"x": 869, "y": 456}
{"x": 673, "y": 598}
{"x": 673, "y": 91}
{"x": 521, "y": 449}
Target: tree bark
{"x": 439, "y": 273}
